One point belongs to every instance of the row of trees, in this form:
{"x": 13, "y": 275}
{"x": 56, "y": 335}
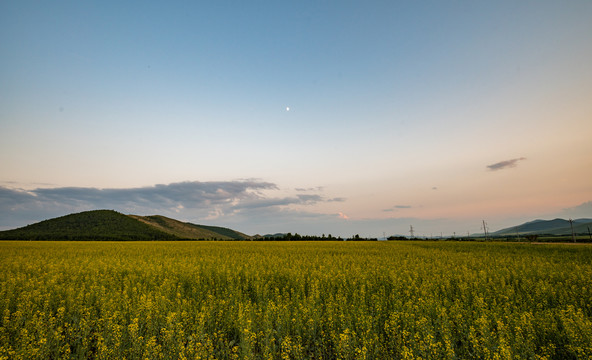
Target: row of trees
{"x": 298, "y": 237}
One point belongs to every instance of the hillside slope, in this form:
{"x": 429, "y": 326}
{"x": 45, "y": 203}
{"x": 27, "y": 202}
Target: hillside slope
{"x": 88, "y": 225}
{"x": 185, "y": 230}
{"x": 551, "y": 227}
{"x": 581, "y": 229}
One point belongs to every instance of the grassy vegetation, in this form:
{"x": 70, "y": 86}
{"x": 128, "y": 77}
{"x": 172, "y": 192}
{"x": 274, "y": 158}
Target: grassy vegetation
{"x": 88, "y": 225}
{"x": 184, "y": 230}
{"x": 111, "y": 225}
{"x": 555, "y": 227}
{"x": 545, "y": 238}
{"x": 295, "y": 300}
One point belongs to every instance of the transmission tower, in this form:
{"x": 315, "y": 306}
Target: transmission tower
{"x": 411, "y": 230}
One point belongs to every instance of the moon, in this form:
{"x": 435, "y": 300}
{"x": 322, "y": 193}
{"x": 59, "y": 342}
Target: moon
{"x": 287, "y": 108}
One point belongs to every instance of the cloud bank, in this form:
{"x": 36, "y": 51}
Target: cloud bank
{"x": 249, "y": 206}
{"x": 190, "y": 201}
{"x": 505, "y": 164}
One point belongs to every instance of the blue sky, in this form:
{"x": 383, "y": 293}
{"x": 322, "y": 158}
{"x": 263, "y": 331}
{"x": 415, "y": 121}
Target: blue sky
{"x": 311, "y": 117}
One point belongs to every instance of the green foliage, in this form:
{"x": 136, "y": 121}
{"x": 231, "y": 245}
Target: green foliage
{"x": 111, "y": 225}
{"x": 295, "y": 300}
{"x": 88, "y": 225}
{"x": 298, "y": 237}
{"x": 223, "y": 232}
{"x": 556, "y": 227}
{"x": 531, "y": 238}
{"x": 189, "y": 231}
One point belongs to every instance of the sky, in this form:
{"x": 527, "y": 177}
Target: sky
{"x": 310, "y": 117}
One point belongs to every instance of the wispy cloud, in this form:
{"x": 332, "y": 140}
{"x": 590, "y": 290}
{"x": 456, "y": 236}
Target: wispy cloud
{"x": 318, "y": 188}
{"x": 397, "y": 207}
{"x": 505, "y": 164}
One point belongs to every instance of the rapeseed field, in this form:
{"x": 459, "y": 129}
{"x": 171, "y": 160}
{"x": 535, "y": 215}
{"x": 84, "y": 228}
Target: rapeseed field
{"x": 294, "y": 300}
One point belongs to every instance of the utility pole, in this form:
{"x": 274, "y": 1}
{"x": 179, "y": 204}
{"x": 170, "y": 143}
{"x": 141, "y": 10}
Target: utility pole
{"x": 485, "y": 229}
{"x": 573, "y": 235}
{"x": 411, "y": 230}
{"x": 589, "y": 233}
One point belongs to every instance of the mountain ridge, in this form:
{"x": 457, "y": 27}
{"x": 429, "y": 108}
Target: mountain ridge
{"x": 105, "y": 225}
{"x": 556, "y": 226}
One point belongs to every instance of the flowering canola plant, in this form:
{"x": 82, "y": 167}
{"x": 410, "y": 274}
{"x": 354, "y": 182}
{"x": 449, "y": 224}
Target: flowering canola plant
{"x": 294, "y": 300}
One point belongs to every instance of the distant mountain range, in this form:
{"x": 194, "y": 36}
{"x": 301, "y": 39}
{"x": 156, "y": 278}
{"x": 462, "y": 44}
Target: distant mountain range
{"x": 547, "y": 227}
{"x": 111, "y": 225}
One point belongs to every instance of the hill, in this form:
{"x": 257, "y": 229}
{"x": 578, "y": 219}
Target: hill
{"x": 185, "y": 230}
{"x": 88, "y": 225}
{"x": 549, "y": 227}
{"x": 111, "y": 225}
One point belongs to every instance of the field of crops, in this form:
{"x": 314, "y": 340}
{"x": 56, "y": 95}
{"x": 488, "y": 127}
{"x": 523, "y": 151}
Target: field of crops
{"x": 294, "y": 300}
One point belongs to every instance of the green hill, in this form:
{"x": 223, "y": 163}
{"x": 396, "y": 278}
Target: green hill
{"x": 579, "y": 229}
{"x": 111, "y": 225}
{"x": 547, "y": 227}
{"x": 185, "y": 230}
{"x": 88, "y": 225}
